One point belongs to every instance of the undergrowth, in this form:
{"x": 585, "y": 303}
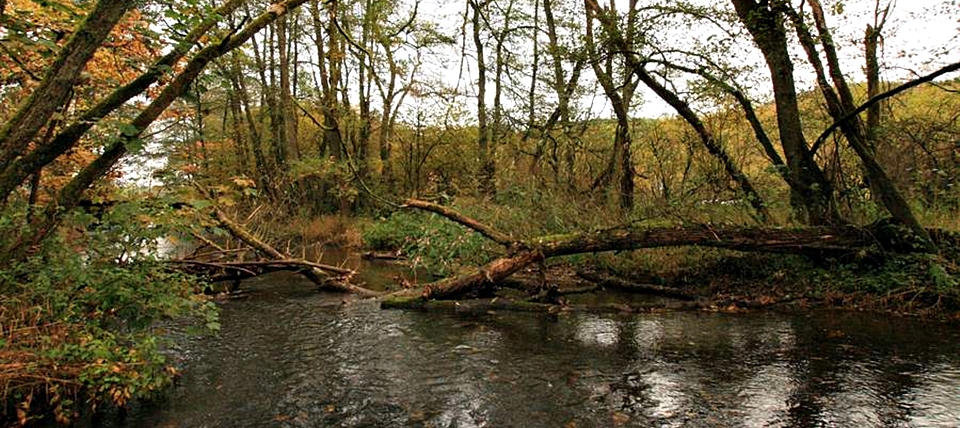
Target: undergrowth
{"x": 429, "y": 241}
{"x": 77, "y": 318}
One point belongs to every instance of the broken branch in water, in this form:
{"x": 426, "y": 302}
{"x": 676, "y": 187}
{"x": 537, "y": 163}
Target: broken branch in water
{"x": 313, "y": 271}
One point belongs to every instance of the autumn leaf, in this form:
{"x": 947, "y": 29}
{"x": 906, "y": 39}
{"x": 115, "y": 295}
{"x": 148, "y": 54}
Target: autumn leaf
{"x": 619, "y": 418}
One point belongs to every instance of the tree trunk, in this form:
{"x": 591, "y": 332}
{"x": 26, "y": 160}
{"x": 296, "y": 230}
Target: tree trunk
{"x": 70, "y": 194}
{"x": 263, "y": 174}
{"x": 706, "y": 137}
{"x": 840, "y": 103}
{"x": 810, "y": 187}
{"x": 871, "y": 41}
{"x": 620, "y": 97}
{"x": 267, "y": 100}
{"x": 288, "y": 115}
{"x": 68, "y": 137}
{"x": 330, "y": 58}
{"x": 488, "y": 171}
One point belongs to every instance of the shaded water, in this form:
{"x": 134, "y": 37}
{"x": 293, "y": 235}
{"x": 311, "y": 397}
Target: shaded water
{"x": 291, "y": 357}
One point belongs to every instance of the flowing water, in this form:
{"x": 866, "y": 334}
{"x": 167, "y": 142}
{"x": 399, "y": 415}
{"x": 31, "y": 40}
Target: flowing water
{"x": 289, "y": 356}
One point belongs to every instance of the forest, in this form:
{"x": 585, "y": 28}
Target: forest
{"x": 510, "y": 154}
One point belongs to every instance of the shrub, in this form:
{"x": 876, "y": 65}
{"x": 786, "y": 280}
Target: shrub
{"x": 77, "y": 318}
{"x": 429, "y": 241}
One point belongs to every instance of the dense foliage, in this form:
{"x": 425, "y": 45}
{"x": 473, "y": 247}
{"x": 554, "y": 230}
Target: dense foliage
{"x": 79, "y": 319}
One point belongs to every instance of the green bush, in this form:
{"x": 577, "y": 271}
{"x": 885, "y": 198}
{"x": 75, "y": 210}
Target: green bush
{"x": 394, "y": 232}
{"x": 914, "y": 272}
{"x": 429, "y": 241}
{"x": 80, "y": 315}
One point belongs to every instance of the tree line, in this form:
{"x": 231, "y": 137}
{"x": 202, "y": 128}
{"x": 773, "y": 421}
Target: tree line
{"x": 330, "y": 106}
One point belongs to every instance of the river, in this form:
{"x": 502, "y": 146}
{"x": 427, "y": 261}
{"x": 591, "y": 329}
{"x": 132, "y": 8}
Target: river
{"x": 289, "y": 356}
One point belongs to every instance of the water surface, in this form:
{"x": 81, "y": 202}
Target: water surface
{"x": 289, "y": 356}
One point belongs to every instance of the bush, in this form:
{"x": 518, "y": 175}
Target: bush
{"x": 429, "y": 241}
{"x": 77, "y": 318}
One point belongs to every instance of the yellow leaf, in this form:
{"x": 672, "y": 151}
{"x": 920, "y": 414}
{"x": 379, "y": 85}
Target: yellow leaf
{"x": 619, "y": 418}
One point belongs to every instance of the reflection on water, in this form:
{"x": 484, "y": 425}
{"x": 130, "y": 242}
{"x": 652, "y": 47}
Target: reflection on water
{"x": 290, "y": 357}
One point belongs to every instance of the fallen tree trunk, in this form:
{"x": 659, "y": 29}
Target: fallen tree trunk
{"x": 808, "y": 240}
{"x": 489, "y": 274}
{"x": 812, "y": 240}
{"x": 822, "y": 242}
{"x": 633, "y": 287}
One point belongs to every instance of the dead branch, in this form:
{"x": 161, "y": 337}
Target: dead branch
{"x": 485, "y": 230}
{"x": 313, "y": 271}
{"x": 292, "y": 262}
{"x": 608, "y": 281}
{"x": 217, "y": 266}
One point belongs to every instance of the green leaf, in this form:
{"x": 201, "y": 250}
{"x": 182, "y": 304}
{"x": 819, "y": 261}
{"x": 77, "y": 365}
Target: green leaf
{"x": 128, "y": 130}
{"x": 135, "y": 145}
{"x": 200, "y": 204}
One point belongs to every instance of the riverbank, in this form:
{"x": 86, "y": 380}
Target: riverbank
{"x": 869, "y": 279}
{"x": 731, "y": 283}
{"x": 908, "y": 285}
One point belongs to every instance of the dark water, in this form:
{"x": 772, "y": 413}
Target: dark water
{"x": 291, "y": 357}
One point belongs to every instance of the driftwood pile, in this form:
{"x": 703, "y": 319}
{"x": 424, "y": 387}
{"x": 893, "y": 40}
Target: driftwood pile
{"x": 327, "y": 277}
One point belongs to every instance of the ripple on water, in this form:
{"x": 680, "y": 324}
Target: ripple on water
{"x": 302, "y": 359}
